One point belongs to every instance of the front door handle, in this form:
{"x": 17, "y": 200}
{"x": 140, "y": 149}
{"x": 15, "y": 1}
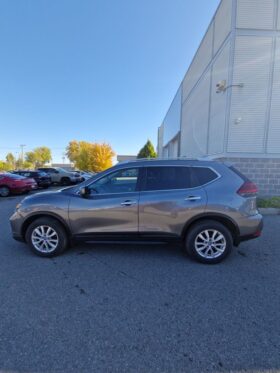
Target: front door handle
{"x": 128, "y": 203}
{"x": 193, "y": 198}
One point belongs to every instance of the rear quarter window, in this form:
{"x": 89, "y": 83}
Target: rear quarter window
{"x": 202, "y": 176}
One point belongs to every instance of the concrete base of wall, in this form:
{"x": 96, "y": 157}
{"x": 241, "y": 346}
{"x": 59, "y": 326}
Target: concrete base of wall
{"x": 265, "y": 172}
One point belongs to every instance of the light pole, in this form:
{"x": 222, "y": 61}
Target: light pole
{"x": 22, "y": 152}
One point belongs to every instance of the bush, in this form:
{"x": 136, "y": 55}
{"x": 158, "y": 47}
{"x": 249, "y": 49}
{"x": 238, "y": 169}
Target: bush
{"x": 273, "y": 202}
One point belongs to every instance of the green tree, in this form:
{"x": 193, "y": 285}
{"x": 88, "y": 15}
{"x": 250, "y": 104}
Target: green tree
{"x": 148, "y": 151}
{"x": 90, "y": 156}
{"x": 10, "y": 159}
{"x": 4, "y": 166}
{"x": 30, "y": 157}
{"x": 39, "y": 156}
{"x": 43, "y": 155}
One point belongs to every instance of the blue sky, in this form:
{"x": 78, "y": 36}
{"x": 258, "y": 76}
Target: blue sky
{"x": 94, "y": 70}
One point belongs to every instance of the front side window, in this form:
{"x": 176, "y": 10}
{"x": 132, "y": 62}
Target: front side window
{"x": 122, "y": 181}
{"x": 166, "y": 178}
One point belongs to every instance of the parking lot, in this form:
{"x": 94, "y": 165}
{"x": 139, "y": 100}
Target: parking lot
{"x": 135, "y": 308}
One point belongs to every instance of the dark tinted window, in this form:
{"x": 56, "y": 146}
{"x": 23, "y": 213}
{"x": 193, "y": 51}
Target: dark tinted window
{"x": 164, "y": 178}
{"x": 203, "y": 175}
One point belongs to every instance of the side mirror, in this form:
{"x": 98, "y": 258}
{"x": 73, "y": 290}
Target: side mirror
{"x": 84, "y": 192}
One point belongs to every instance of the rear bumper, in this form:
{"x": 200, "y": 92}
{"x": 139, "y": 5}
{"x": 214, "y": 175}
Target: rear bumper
{"x": 251, "y": 228}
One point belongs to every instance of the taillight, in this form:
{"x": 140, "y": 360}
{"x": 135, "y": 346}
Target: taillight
{"x": 248, "y": 189}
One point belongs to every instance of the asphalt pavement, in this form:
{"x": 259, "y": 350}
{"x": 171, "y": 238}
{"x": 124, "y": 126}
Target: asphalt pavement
{"x": 139, "y": 308}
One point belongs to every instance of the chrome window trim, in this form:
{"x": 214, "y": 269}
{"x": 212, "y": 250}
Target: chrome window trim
{"x": 197, "y": 187}
{"x": 156, "y": 190}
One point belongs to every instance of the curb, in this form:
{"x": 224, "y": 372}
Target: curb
{"x": 269, "y": 211}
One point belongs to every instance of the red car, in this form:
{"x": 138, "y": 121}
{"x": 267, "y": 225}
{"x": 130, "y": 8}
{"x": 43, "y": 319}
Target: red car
{"x": 10, "y": 183}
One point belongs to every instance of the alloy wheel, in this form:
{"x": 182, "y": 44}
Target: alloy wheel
{"x": 44, "y": 239}
{"x": 210, "y": 244}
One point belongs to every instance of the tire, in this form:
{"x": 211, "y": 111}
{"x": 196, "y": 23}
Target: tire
{"x": 57, "y": 242}
{"x": 210, "y": 250}
{"x": 4, "y": 191}
{"x": 65, "y": 181}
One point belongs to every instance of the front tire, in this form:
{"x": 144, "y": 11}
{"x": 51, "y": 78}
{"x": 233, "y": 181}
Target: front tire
{"x": 46, "y": 237}
{"x": 209, "y": 242}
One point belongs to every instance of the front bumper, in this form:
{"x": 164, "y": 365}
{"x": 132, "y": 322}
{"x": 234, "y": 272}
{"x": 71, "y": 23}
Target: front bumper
{"x": 16, "y": 221}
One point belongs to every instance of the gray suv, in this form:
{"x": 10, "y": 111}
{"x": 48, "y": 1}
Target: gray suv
{"x": 206, "y": 205}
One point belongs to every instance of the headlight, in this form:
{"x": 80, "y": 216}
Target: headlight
{"x": 18, "y": 206}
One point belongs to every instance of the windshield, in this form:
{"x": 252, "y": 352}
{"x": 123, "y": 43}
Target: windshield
{"x": 14, "y": 176}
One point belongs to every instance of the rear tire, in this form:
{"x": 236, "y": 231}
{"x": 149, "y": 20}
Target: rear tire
{"x": 65, "y": 181}
{"x": 208, "y": 242}
{"x": 4, "y": 191}
{"x": 46, "y": 237}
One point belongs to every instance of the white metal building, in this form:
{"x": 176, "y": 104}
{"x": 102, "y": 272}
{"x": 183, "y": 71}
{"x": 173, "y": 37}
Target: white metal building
{"x": 240, "y": 53}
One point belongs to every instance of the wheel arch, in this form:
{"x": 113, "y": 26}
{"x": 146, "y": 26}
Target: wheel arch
{"x": 36, "y": 216}
{"x": 220, "y": 218}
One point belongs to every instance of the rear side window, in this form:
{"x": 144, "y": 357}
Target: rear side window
{"x": 166, "y": 178}
{"x": 202, "y": 176}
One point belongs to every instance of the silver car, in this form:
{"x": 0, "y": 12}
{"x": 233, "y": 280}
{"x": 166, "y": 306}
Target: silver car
{"x": 207, "y": 206}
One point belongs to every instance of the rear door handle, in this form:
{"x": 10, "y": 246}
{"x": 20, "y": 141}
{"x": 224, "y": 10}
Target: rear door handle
{"x": 193, "y": 198}
{"x": 128, "y": 203}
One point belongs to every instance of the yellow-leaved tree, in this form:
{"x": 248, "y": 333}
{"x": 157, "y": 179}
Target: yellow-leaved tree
{"x": 89, "y": 156}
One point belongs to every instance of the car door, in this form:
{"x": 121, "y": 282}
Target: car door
{"x": 110, "y": 208}
{"x": 168, "y": 200}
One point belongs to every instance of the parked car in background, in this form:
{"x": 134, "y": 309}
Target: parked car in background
{"x": 42, "y": 179}
{"x": 15, "y": 184}
{"x": 60, "y": 176}
{"x": 85, "y": 175}
{"x": 207, "y": 206}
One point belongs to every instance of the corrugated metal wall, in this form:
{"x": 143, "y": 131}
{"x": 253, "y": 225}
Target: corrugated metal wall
{"x": 278, "y": 18}
{"x": 195, "y": 120}
{"x": 200, "y": 62}
{"x": 172, "y": 119}
{"x": 249, "y": 104}
{"x": 255, "y": 14}
{"x": 239, "y": 47}
{"x": 204, "y": 112}
{"x": 222, "y": 24}
{"x": 218, "y": 108}
{"x": 273, "y": 143}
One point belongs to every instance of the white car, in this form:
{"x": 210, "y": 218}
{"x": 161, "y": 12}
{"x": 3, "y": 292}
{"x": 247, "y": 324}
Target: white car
{"x": 61, "y": 176}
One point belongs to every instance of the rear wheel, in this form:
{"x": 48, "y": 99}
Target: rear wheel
{"x": 4, "y": 191}
{"x": 209, "y": 242}
{"x": 65, "y": 181}
{"x": 46, "y": 237}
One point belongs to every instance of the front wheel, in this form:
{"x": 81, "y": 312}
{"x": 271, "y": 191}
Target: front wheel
{"x": 46, "y": 237}
{"x": 209, "y": 242}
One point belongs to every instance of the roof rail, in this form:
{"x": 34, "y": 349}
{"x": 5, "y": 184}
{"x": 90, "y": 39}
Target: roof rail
{"x": 205, "y": 158}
